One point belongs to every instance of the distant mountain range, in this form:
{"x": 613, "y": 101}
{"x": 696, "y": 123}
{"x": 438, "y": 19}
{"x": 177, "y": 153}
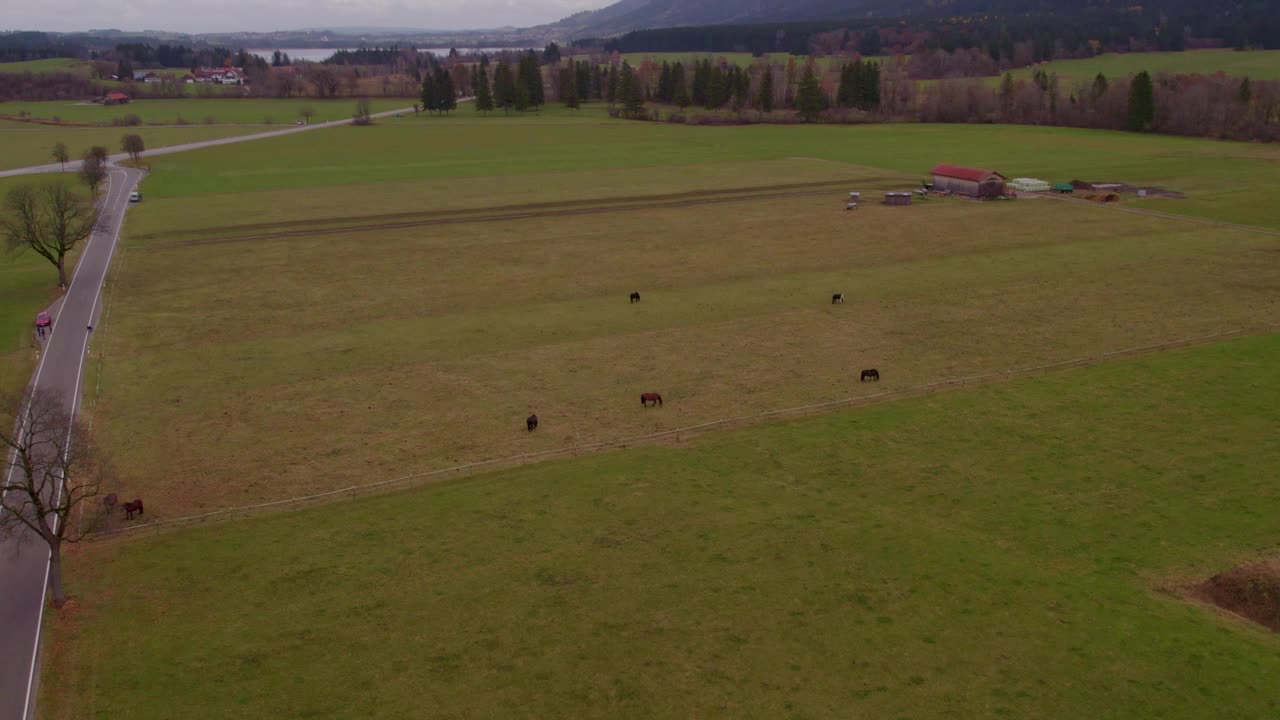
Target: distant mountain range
{"x": 628, "y": 15}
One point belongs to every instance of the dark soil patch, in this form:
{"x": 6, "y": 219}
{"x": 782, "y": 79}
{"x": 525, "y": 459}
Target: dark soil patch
{"x": 1251, "y": 590}
{"x": 1121, "y": 187}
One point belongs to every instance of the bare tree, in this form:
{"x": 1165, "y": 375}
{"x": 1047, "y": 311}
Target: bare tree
{"x": 307, "y": 112}
{"x": 132, "y": 144}
{"x": 93, "y": 171}
{"x": 60, "y": 154}
{"x": 50, "y": 220}
{"x": 363, "y": 115}
{"x": 50, "y": 474}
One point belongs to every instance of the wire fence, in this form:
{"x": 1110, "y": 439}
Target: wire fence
{"x": 677, "y": 435}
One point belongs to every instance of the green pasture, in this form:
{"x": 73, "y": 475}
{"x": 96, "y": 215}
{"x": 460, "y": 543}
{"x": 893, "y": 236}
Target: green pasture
{"x": 27, "y": 144}
{"x": 1226, "y": 181}
{"x": 1016, "y": 550}
{"x": 49, "y": 65}
{"x": 1257, "y": 64}
{"x": 199, "y": 111}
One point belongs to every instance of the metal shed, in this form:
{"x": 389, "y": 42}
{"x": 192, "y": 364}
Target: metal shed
{"x": 974, "y": 182}
{"x": 897, "y": 198}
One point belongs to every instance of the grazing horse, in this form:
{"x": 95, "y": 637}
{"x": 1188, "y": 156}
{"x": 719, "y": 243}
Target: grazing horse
{"x": 132, "y": 507}
{"x": 837, "y": 298}
{"x": 531, "y": 422}
{"x": 648, "y": 399}
{"x": 635, "y": 297}
{"x": 109, "y": 502}
{"x": 872, "y": 374}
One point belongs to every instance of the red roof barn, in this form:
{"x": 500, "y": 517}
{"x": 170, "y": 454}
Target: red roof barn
{"x": 115, "y": 98}
{"x": 974, "y": 182}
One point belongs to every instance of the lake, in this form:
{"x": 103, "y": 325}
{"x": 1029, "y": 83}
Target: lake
{"x": 319, "y": 54}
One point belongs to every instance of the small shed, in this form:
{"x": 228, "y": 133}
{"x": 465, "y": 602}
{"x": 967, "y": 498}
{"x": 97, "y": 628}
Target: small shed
{"x": 974, "y": 182}
{"x": 115, "y": 98}
{"x": 897, "y": 198}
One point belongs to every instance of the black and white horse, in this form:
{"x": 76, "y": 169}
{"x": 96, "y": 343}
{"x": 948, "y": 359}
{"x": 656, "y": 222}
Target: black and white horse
{"x": 837, "y": 298}
{"x": 635, "y": 297}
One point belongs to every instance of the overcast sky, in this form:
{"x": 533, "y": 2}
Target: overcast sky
{"x": 198, "y": 16}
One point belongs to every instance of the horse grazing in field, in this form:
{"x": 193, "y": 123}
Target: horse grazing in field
{"x": 872, "y": 374}
{"x": 132, "y": 507}
{"x": 650, "y": 399}
{"x": 635, "y": 297}
{"x": 837, "y": 298}
{"x": 531, "y": 422}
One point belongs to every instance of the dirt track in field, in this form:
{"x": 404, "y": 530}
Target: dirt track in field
{"x": 520, "y": 212}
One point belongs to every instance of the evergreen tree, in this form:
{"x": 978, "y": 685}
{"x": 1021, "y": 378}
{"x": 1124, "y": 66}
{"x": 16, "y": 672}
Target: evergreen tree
{"x": 1006, "y": 92}
{"x": 430, "y": 93}
{"x": 630, "y": 91}
{"x": 701, "y": 78}
{"x": 569, "y": 86}
{"x": 1246, "y": 91}
{"x": 679, "y": 87}
{"x": 849, "y": 92}
{"x": 446, "y": 95}
{"x": 584, "y": 80}
{"x": 1141, "y": 102}
{"x": 765, "y": 102}
{"x": 715, "y": 88}
{"x": 664, "y": 83}
{"x": 504, "y": 87}
{"x": 1099, "y": 86}
{"x": 551, "y": 55}
{"x": 611, "y": 91}
{"x": 531, "y": 78}
{"x": 484, "y": 97}
{"x": 809, "y": 100}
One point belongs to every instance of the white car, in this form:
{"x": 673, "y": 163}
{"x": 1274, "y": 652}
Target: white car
{"x": 135, "y": 196}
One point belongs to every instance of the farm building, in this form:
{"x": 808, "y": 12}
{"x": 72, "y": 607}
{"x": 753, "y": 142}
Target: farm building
{"x": 115, "y": 98}
{"x": 974, "y": 182}
{"x": 897, "y": 198}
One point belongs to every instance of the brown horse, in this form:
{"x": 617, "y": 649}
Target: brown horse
{"x": 650, "y": 399}
{"x": 531, "y": 422}
{"x": 132, "y": 507}
{"x": 872, "y": 374}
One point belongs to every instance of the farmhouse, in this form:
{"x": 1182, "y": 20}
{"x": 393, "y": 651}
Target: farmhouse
{"x": 146, "y": 77}
{"x": 220, "y": 76}
{"x": 974, "y": 182}
{"x": 115, "y": 98}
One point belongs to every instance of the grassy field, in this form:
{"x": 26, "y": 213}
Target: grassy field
{"x": 50, "y": 65}
{"x": 200, "y": 110}
{"x": 1227, "y": 181}
{"x": 1011, "y": 551}
{"x": 376, "y": 352}
{"x": 1257, "y": 64}
{"x": 33, "y": 144}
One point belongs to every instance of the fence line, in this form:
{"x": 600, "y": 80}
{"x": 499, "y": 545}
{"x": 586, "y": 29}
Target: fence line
{"x": 677, "y": 434}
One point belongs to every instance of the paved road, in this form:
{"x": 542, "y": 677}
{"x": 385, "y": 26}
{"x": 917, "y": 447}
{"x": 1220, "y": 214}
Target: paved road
{"x": 55, "y": 167}
{"x": 24, "y": 561}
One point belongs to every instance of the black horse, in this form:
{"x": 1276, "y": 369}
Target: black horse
{"x": 635, "y": 297}
{"x": 837, "y": 298}
{"x": 872, "y": 374}
{"x": 531, "y": 422}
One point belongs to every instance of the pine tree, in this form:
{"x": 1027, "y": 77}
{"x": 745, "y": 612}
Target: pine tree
{"x": 484, "y": 96}
{"x": 504, "y": 87}
{"x": 631, "y": 91}
{"x": 809, "y": 99}
{"x": 869, "y": 87}
{"x": 715, "y": 88}
{"x": 1246, "y": 91}
{"x": 611, "y": 91}
{"x": 1099, "y": 86}
{"x": 849, "y": 92}
{"x": 664, "y": 83}
{"x": 1141, "y": 102}
{"x": 446, "y": 95}
{"x": 584, "y": 81}
{"x": 679, "y": 87}
{"x": 531, "y": 78}
{"x": 1006, "y": 92}
{"x": 430, "y": 93}
{"x": 766, "y": 90}
{"x": 569, "y": 86}
{"x": 701, "y": 78}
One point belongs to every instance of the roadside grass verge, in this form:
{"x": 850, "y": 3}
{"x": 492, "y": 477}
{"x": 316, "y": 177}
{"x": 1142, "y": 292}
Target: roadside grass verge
{"x": 999, "y": 552}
